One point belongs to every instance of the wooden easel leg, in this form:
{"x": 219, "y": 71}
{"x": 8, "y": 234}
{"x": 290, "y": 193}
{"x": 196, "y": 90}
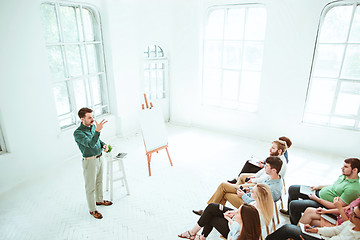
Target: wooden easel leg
{"x": 169, "y": 156}
{"x": 149, "y": 159}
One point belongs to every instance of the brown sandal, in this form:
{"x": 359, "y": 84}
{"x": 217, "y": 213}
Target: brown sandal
{"x": 188, "y": 236}
{"x": 104, "y": 202}
{"x": 96, "y": 214}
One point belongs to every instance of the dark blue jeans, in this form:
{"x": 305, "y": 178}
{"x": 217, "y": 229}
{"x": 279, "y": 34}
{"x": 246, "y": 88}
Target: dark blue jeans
{"x": 297, "y": 206}
{"x": 289, "y": 231}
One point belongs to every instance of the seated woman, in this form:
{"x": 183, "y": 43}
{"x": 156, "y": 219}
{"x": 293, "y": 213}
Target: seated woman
{"x": 217, "y": 215}
{"x": 349, "y": 230}
{"x": 278, "y": 148}
{"x": 312, "y": 215}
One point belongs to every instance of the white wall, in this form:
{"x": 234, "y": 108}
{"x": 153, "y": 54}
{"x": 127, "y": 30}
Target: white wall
{"x": 27, "y": 109}
{"x": 133, "y": 26}
{"x": 290, "y": 40}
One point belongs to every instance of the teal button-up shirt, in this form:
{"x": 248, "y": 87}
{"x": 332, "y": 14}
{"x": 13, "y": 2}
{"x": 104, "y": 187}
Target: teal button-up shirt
{"x": 88, "y": 140}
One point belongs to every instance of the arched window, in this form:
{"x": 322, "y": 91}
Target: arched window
{"x": 333, "y": 97}
{"x": 155, "y": 72}
{"x": 76, "y": 60}
{"x": 233, "y": 55}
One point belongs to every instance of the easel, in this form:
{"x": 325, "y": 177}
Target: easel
{"x": 149, "y": 153}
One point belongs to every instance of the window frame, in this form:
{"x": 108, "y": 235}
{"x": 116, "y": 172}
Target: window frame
{"x": 3, "y": 149}
{"x": 82, "y": 44}
{"x": 339, "y": 79}
{"x": 156, "y": 60}
{"x": 240, "y": 105}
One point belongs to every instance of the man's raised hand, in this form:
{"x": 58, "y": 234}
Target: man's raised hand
{"x": 100, "y": 125}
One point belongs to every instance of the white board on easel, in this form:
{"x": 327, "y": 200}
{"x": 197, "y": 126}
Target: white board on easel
{"x": 153, "y": 128}
{"x": 154, "y": 131}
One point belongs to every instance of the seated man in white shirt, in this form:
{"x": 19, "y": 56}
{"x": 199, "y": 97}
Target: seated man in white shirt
{"x": 278, "y": 148}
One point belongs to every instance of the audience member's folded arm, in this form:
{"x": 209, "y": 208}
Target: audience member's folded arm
{"x": 325, "y": 203}
{"x": 331, "y": 231}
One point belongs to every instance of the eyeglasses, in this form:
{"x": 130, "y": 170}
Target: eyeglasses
{"x": 354, "y": 214}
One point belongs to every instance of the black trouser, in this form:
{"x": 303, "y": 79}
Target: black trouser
{"x": 249, "y": 168}
{"x": 213, "y": 217}
{"x": 296, "y": 206}
{"x": 289, "y": 231}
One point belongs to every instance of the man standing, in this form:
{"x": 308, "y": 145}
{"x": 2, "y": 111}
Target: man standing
{"x": 347, "y": 187}
{"x": 90, "y": 145}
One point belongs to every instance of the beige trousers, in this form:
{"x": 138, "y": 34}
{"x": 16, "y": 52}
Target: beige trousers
{"x": 226, "y": 192}
{"x": 93, "y": 176}
{"x": 243, "y": 176}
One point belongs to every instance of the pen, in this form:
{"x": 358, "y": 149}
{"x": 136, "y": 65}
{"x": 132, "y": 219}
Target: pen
{"x": 312, "y": 226}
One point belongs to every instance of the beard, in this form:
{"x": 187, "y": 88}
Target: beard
{"x": 274, "y": 154}
{"x": 90, "y": 123}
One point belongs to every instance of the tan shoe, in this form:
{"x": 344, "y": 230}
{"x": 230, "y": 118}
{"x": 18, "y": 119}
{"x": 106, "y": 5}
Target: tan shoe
{"x": 104, "y": 202}
{"x": 96, "y": 214}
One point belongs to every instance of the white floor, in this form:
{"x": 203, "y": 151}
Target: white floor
{"x": 53, "y": 206}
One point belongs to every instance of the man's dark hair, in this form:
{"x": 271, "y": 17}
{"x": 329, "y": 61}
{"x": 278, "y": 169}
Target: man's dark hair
{"x": 274, "y": 162}
{"x": 287, "y": 140}
{"x": 354, "y": 163}
{"x": 84, "y": 111}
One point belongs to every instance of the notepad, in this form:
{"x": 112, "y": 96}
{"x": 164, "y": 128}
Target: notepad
{"x": 315, "y": 235}
{"x": 306, "y": 190}
{"x": 121, "y": 155}
{"x": 328, "y": 218}
{"x": 254, "y": 160}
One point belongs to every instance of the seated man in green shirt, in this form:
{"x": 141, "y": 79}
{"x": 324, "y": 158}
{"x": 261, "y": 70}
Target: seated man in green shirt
{"x": 87, "y": 138}
{"x": 347, "y": 187}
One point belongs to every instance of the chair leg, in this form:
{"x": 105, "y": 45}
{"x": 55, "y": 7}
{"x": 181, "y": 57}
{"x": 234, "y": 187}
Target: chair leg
{"x": 273, "y": 221}
{"x": 107, "y": 174}
{"x": 111, "y": 181}
{"x": 284, "y": 186}
{"x": 124, "y": 180}
{"x": 277, "y": 213}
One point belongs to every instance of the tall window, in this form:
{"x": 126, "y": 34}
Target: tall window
{"x": 233, "y": 55}
{"x": 155, "y": 72}
{"x": 76, "y": 59}
{"x": 333, "y": 97}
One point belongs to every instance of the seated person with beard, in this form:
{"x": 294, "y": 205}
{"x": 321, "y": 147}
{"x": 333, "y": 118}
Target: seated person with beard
{"x": 278, "y": 148}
